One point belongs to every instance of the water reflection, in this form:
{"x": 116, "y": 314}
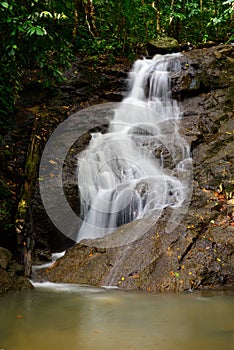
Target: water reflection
{"x": 83, "y": 318}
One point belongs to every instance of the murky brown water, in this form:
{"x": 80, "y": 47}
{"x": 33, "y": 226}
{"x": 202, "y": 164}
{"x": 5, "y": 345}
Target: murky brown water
{"x": 81, "y": 318}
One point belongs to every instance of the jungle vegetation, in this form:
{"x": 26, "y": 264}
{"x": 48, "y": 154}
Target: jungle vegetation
{"x": 44, "y": 36}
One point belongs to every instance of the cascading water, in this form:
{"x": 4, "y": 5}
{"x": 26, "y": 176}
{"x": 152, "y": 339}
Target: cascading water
{"x": 141, "y": 165}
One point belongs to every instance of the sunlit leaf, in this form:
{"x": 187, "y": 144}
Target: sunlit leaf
{"x": 51, "y": 161}
{"x": 5, "y": 4}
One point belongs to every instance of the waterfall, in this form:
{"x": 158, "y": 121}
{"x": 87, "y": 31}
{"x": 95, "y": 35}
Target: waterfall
{"x": 138, "y": 168}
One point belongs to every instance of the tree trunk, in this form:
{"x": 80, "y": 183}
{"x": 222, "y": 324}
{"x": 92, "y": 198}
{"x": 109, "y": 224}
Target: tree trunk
{"x": 90, "y": 17}
{"x": 22, "y": 224}
{"x": 84, "y": 9}
{"x": 155, "y": 5}
{"x": 78, "y": 10}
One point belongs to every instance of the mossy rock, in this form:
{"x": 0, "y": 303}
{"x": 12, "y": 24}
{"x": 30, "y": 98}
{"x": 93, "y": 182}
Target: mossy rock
{"x": 5, "y": 257}
{"x": 163, "y": 45}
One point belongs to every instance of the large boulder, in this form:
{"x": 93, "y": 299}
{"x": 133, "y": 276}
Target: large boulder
{"x": 163, "y": 45}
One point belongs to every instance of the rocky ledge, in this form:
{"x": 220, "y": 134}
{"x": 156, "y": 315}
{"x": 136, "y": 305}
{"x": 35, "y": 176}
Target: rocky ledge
{"x": 199, "y": 252}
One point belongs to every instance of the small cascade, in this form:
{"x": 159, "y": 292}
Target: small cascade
{"x": 142, "y": 165}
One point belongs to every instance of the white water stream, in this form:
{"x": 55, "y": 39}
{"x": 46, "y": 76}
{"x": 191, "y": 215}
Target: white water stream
{"x": 125, "y": 174}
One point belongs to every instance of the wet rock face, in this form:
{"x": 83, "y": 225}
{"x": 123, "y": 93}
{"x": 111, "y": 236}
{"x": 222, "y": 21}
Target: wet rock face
{"x": 202, "y": 71}
{"x": 85, "y": 86}
{"x": 199, "y": 253}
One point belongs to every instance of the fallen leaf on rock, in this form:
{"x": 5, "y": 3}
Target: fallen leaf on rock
{"x": 19, "y": 316}
{"x": 51, "y": 161}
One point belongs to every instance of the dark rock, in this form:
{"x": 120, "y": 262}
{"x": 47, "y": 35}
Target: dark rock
{"x": 11, "y": 274}
{"x": 203, "y": 71}
{"x": 5, "y": 258}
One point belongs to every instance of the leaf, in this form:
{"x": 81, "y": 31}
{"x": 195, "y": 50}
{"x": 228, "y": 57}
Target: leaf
{"x": 31, "y": 31}
{"x": 46, "y": 14}
{"x": 5, "y": 4}
{"x": 20, "y": 28}
{"x": 39, "y": 31}
{"x": 11, "y": 52}
{"x": 19, "y": 316}
{"x": 227, "y": 2}
{"x": 51, "y": 161}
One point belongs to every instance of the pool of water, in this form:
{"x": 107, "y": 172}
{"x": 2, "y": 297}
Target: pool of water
{"x": 74, "y": 317}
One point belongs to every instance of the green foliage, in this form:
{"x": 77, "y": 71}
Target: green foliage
{"x": 4, "y": 190}
{"x": 6, "y": 205}
{"x": 39, "y": 35}
{"x": 129, "y": 24}
{"x": 32, "y": 37}
{"x": 221, "y": 24}
{"x": 125, "y": 24}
